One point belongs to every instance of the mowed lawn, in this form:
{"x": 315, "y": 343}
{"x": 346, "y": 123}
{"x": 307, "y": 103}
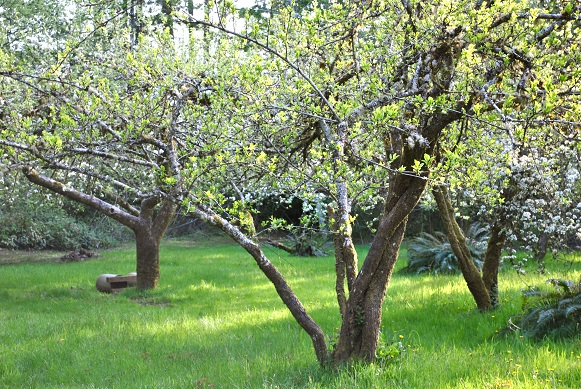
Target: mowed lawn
{"x": 215, "y": 321}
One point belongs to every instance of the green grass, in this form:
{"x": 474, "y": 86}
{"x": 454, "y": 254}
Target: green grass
{"x": 215, "y": 321}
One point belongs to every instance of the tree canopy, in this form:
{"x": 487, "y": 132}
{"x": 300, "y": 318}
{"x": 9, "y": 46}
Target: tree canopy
{"x": 344, "y": 102}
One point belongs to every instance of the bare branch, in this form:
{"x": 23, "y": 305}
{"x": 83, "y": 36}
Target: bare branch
{"x": 102, "y": 154}
{"x": 270, "y": 50}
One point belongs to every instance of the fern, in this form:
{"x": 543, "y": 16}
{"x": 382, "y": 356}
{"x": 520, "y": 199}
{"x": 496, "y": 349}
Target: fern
{"x": 573, "y": 311}
{"x": 556, "y": 314}
{"x": 432, "y": 252}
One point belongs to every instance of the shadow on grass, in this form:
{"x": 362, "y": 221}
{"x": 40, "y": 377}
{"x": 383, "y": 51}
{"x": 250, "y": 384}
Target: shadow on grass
{"x": 215, "y": 320}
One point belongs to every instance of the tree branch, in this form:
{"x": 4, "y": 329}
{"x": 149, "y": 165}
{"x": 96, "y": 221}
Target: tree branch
{"x": 107, "y": 209}
{"x": 283, "y": 289}
{"x": 270, "y": 50}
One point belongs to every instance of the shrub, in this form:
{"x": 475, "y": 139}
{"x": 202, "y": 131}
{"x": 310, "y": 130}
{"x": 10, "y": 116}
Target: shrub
{"x": 304, "y": 243}
{"x": 432, "y": 252}
{"x": 555, "y": 314}
{"x": 31, "y": 227}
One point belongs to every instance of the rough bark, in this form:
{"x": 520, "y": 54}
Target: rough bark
{"x": 492, "y": 262}
{"x": 148, "y": 235}
{"x": 359, "y": 332}
{"x": 358, "y": 337}
{"x": 147, "y": 249}
{"x": 345, "y": 257}
{"x": 458, "y": 244}
{"x": 376, "y": 295}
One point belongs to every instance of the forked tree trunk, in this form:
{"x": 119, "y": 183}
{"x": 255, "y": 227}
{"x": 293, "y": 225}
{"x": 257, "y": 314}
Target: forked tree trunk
{"x": 359, "y": 334}
{"x": 147, "y": 226}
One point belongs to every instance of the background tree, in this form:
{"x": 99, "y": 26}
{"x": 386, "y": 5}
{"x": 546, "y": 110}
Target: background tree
{"x": 533, "y": 202}
{"x": 111, "y": 135}
{"x": 34, "y": 29}
{"x": 522, "y": 161}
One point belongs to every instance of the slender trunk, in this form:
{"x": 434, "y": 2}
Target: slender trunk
{"x": 458, "y": 244}
{"x": 345, "y": 256}
{"x": 283, "y": 289}
{"x": 167, "y": 7}
{"x": 492, "y": 262}
{"x": 135, "y": 20}
{"x": 541, "y": 251}
{"x": 206, "y": 31}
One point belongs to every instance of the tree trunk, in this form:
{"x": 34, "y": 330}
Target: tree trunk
{"x": 147, "y": 250}
{"x": 147, "y": 226}
{"x": 135, "y": 20}
{"x": 148, "y": 234}
{"x": 345, "y": 255}
{"x": 361, "y": 324}
{"x": 167, "y": 8}
{"x": 492, "y": 262}
{"x": 458, "y": 244}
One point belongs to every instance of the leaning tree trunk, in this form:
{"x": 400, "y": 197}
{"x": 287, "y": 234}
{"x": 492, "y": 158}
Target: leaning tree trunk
{"x": 282, "y": 287}
{"x": 483, "y": 287}
{"x": 492, "y": 262}
{"x": 458, "y": 244}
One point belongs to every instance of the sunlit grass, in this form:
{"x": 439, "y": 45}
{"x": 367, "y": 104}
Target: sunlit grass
{"x": 215, "y": 321}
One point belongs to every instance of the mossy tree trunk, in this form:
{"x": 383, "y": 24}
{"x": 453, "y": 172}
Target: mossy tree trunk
{"x": 345, "y": 255}
{"x": 359, "y": 334}
{"x": 469, "y": 270}
{"x": 491, "y": 263}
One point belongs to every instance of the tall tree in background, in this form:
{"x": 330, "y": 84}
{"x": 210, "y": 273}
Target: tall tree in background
{"x": 32, "y": 30}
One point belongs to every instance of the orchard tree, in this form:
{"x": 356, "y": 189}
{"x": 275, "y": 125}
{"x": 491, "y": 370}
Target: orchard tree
{"x": 380, "y": 84}
{"x": 520, "y": 157}
{"x": 114, "y": 130}
{"x": 529, "y": 195}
